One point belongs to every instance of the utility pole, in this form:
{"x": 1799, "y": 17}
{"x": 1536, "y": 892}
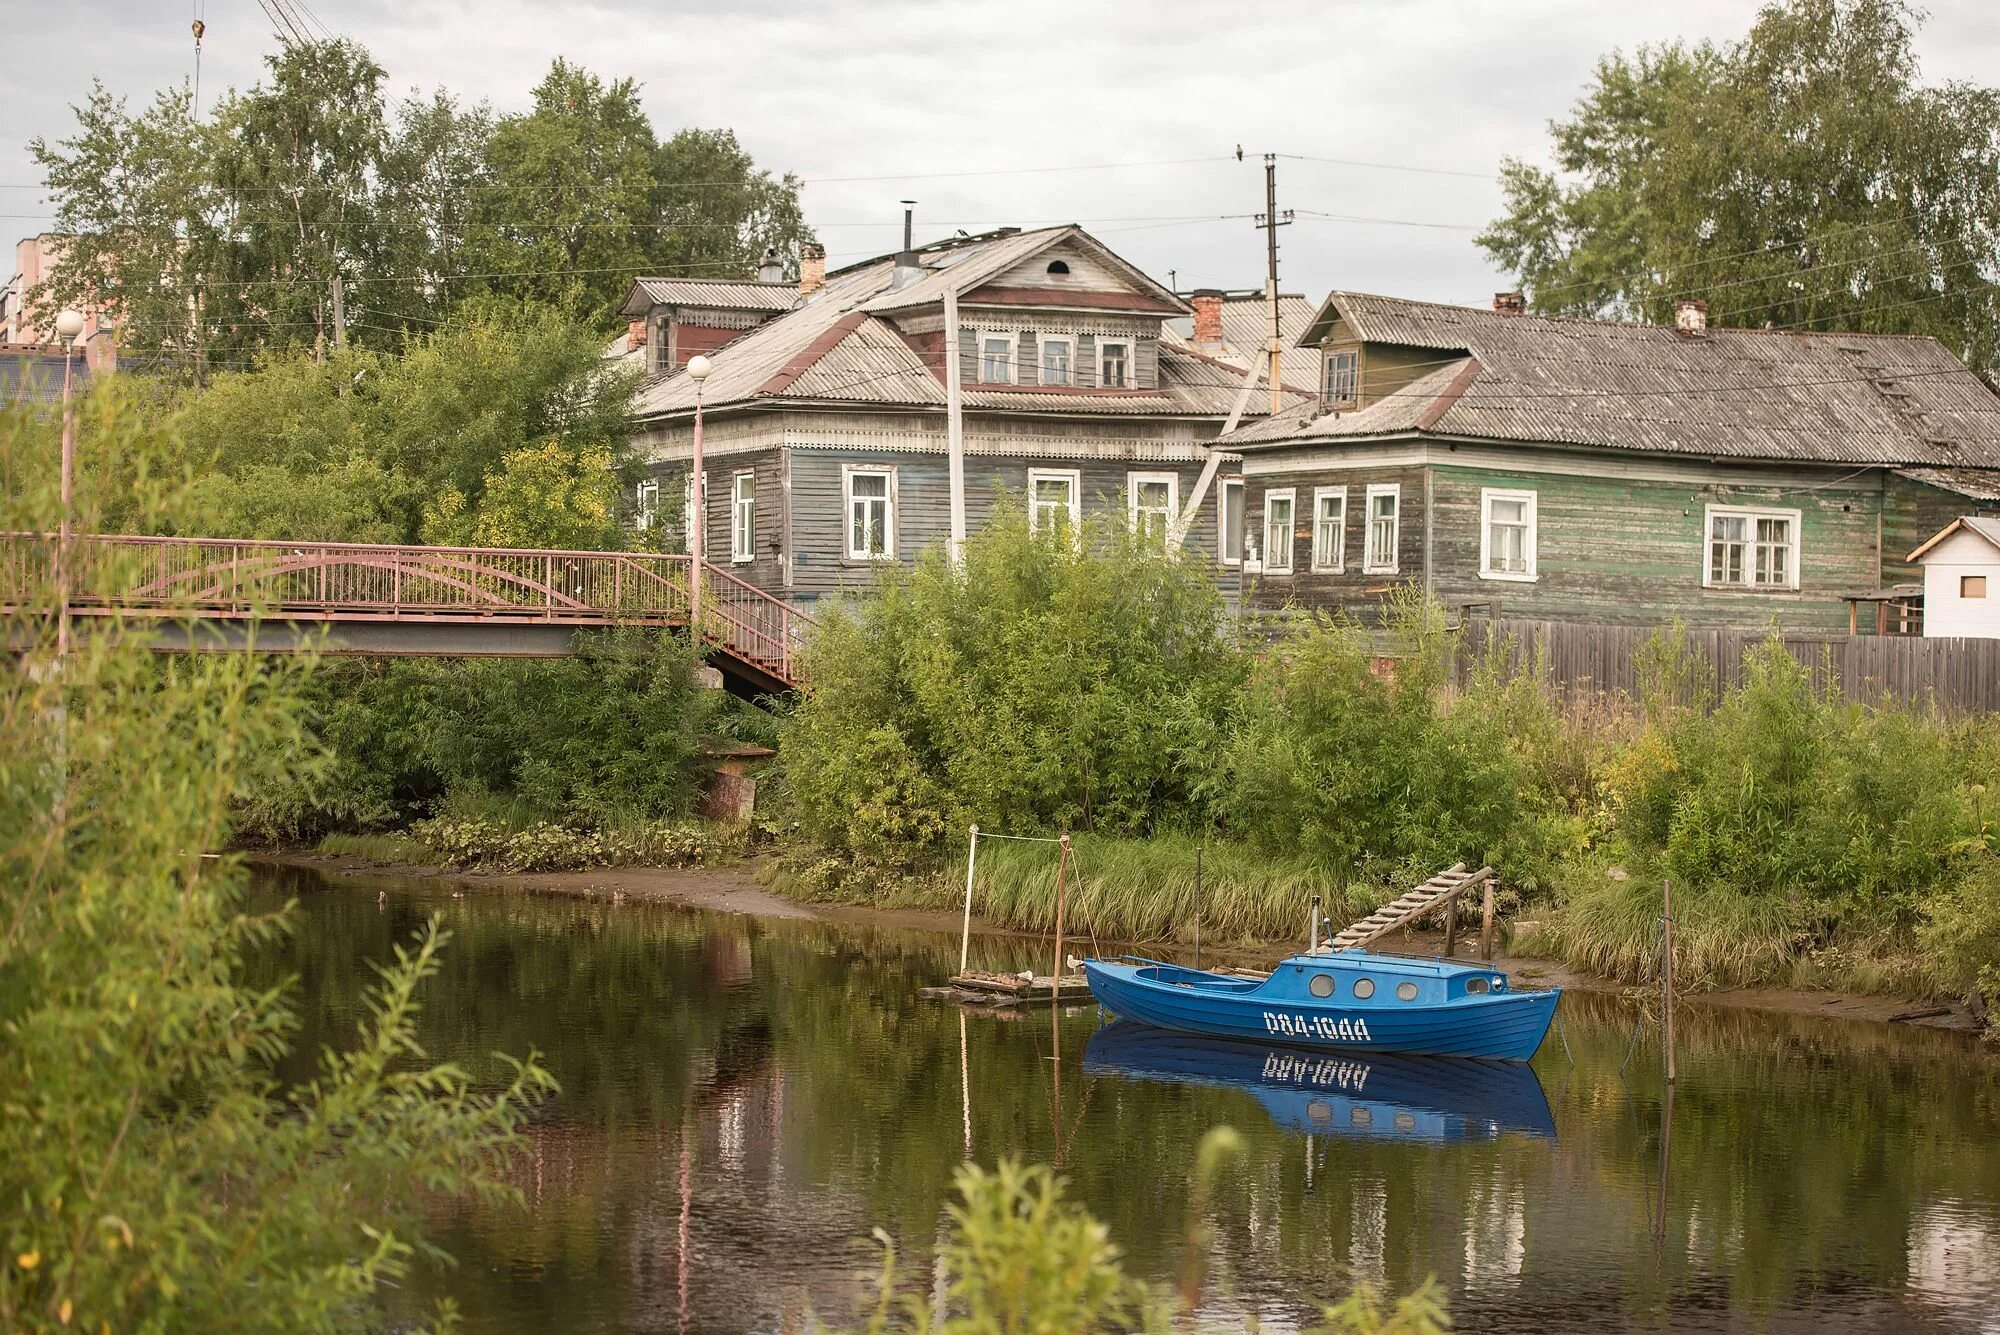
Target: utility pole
{"x": 1271, "y": 220}
{"x": 339, "y": 314}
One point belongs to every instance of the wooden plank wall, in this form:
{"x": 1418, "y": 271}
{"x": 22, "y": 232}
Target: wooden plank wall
{"x": 1582, "y": 658}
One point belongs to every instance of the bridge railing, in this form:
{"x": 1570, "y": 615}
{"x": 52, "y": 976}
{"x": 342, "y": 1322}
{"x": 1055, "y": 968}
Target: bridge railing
{"x": 232, "y": 578}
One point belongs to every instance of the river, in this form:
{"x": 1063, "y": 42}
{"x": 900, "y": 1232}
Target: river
{"x": 744, "y": 1099}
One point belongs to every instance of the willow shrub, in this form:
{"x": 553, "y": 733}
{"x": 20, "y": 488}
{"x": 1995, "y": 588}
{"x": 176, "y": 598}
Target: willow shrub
{"x": 1369, "y": 765}
{"x": 1054, "y": 680}
{"x": 153, "y": 1174}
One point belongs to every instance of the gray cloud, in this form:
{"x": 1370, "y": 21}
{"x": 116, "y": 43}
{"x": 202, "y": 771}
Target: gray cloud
{"x": 846, "y": 89}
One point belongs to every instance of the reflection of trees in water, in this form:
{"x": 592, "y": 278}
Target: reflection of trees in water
{"x": 816, "y": 1096}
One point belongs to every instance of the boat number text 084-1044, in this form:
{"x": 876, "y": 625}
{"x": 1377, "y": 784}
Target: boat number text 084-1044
{"x": 1317, "y": 1026}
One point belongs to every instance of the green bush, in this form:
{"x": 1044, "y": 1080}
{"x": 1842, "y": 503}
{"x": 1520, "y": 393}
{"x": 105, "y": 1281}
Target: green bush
{"x": 482, "y": 845}
{"x": 1056, "y": 680}
{"x": 1960, "y": 934}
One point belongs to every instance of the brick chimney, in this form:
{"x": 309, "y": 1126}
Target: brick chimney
{"x": 1510, "y": 303}
{"x": 1207, "y": 319}
{"x": 635, "y": 336}
{"x": 1691, "y": 317}
{"x": 812, "y": 268}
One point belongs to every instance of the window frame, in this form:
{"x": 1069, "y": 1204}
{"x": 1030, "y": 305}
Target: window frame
{"x": 1074, "y": 477}
{"x": 1337, "y": 566}
{"x": 742, "y": 530}
{"x": 1046, "y": 341}
{"x": 1352, "y": 357}
{"x": 1134, "y": 480}
{"x": 1752, "y": 513}
{"x": 646, "y": 505}
{"x": 1370, "y": 564}
{"x": 1531, "y": 571}
{"x": 1222, "y": 489}
{"x": 848, "y": 472}
{"x": 1009, "y": 371}
{"x": 1290, "y": 498}
{"x": 1129, "y": 380}
{"x": 1965, "y": 588}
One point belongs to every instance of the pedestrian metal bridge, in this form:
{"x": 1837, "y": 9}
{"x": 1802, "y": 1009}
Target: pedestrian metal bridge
{"x": 221, "y": 594}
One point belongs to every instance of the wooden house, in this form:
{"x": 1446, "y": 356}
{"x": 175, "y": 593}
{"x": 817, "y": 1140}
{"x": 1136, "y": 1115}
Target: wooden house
{"x": 828, "y": 412}
{"x": 1569, "y": 469}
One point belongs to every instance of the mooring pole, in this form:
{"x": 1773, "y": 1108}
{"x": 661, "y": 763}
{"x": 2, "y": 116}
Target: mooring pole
{"x": 1486, "y": 922}
{"x": 965, "y": 938}
{"x": 1062, "y": 898}
{"x": 1667, "y": 973}
{"x": 1312, "y": 928}
{"x": 1197, "y": 906}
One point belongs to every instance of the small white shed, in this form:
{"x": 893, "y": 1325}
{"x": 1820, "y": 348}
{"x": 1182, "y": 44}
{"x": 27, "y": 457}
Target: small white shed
{"x": 1962, "y": 579}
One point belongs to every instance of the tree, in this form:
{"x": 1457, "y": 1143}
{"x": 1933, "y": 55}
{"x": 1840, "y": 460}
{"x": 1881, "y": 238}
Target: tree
{"x": 432, "y": 178}
{"x": 156, "y": 1175}
{"x": 718, "y": 213}
{"x": 1801, "y": 177}
{"x": 572, "y": 192}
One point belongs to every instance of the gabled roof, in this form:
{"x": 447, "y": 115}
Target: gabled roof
{"x": 1748, "y": 394}
{"x": 964, "y": 268}
{"x": 1978, "y": 525}
{"x": 837, "y": 348}
{"x": 729, "y": 294}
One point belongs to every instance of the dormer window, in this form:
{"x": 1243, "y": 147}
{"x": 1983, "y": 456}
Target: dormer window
{"x": 1114, "y": 362}
{"x": 1343, "y": 369}
{"x": 1059, "y": 268}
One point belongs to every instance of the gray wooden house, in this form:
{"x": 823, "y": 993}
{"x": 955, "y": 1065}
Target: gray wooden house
{"x": 1583, "y": 470}
{"x": 829, "y": 411}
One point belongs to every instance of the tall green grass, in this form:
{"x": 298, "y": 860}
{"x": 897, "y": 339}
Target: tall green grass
{"x": 1144, "y": 890}
{"x": 392, "y": 848}
{"x": 1722, "y": 937}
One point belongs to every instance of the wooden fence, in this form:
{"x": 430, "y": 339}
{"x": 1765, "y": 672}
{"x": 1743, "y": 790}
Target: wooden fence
{"x": 1959, "y": 676}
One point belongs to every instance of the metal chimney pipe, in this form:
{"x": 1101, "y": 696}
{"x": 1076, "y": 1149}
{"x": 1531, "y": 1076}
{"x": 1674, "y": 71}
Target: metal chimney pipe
{"x": 909, "y": 216}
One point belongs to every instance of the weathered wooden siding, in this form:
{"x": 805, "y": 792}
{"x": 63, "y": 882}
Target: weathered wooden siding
{"x": 1586, "y": 659}
{"x": 923, "y": 506}
{"x": 1352, "y": 591}
{"x": 767, "y": 466}
{"x": 1629, "y": 551}
{"x": 1912, "y": 513}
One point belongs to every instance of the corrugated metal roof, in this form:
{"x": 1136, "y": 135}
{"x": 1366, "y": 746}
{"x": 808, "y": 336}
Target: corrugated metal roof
{"x": 1977, "y": 484}
{"x": 37, "y": 377}
{"x": 1734, "y": 393}
{"x": 730, "y": 294}
{"x": 834, "y": 349}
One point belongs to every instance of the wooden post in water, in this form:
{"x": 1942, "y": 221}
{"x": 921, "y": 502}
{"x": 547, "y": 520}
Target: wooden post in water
{"x": 1055, "y": 1000}
{"x": 965, "y": 940}
{"x": 1197, "y": 906}
{"x": 1486, "y": 921}
{"x": 1062, "y": 900}
{"x": 1667, "y": 973}
{"x": 1451, "y": 927}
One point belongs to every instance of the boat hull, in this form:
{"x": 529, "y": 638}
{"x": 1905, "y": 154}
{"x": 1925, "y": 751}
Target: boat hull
{"x": 1506, "y": 1026}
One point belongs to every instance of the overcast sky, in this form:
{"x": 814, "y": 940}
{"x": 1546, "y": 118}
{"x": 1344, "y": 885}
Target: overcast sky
{"x": 914, "y": 92}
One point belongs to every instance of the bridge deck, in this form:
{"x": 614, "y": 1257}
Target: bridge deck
{"x": 435, "y": 600}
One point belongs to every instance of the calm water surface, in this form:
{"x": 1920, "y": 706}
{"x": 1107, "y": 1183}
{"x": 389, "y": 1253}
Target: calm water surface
{"x": 743, "y": 1100}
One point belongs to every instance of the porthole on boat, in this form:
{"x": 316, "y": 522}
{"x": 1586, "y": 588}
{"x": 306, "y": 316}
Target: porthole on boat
{"x": 1406, "y": 991}
{"x": 1364, "y": 988}
{"x": 1478, "y": 985}
{"x": 1321, "y": 985}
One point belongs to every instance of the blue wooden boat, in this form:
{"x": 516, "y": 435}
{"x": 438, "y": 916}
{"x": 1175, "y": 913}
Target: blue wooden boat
{"x": 1337, "y": 1001}
{"x": 1363, "y": 1096}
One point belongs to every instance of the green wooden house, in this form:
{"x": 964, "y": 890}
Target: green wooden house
{"x": 1531, "y": 466}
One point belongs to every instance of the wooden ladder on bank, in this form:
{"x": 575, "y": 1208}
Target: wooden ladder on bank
{"x": 1439, "y": 892}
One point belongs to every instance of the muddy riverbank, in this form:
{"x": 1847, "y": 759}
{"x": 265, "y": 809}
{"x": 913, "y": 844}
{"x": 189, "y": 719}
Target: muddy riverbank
{"x": 735, "y": 888}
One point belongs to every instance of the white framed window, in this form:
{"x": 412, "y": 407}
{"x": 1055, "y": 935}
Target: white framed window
{"x": 743, "y": 517}
{"x": 1506, "y": 534}
{"x": 871, "y": 512}
{"x": 646, "y": 508}
{"x": 1343, "y": 374}
{"x": 1152, "y": 500}
{"x": 1229, "y": 521}
{"x": 1278, "y": 515}
{"x": 1385, "y": 513}
{"x": 1114, "y": 364}
{"x": 1055, "y": 499}
{"x": 1329, "y": 530}
{"x": 1750, "y": 547}
{"x": 996, "y": 359}
{"x": 1058, "y": 361}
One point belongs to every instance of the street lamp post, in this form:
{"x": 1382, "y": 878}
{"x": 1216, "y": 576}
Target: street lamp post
{"x": 697, "y": 369}
{"x": 69, "y": 325}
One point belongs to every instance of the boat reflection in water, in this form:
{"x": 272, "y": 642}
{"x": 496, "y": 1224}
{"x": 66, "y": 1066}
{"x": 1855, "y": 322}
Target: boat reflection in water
{"x": 1376, "y": 1096}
